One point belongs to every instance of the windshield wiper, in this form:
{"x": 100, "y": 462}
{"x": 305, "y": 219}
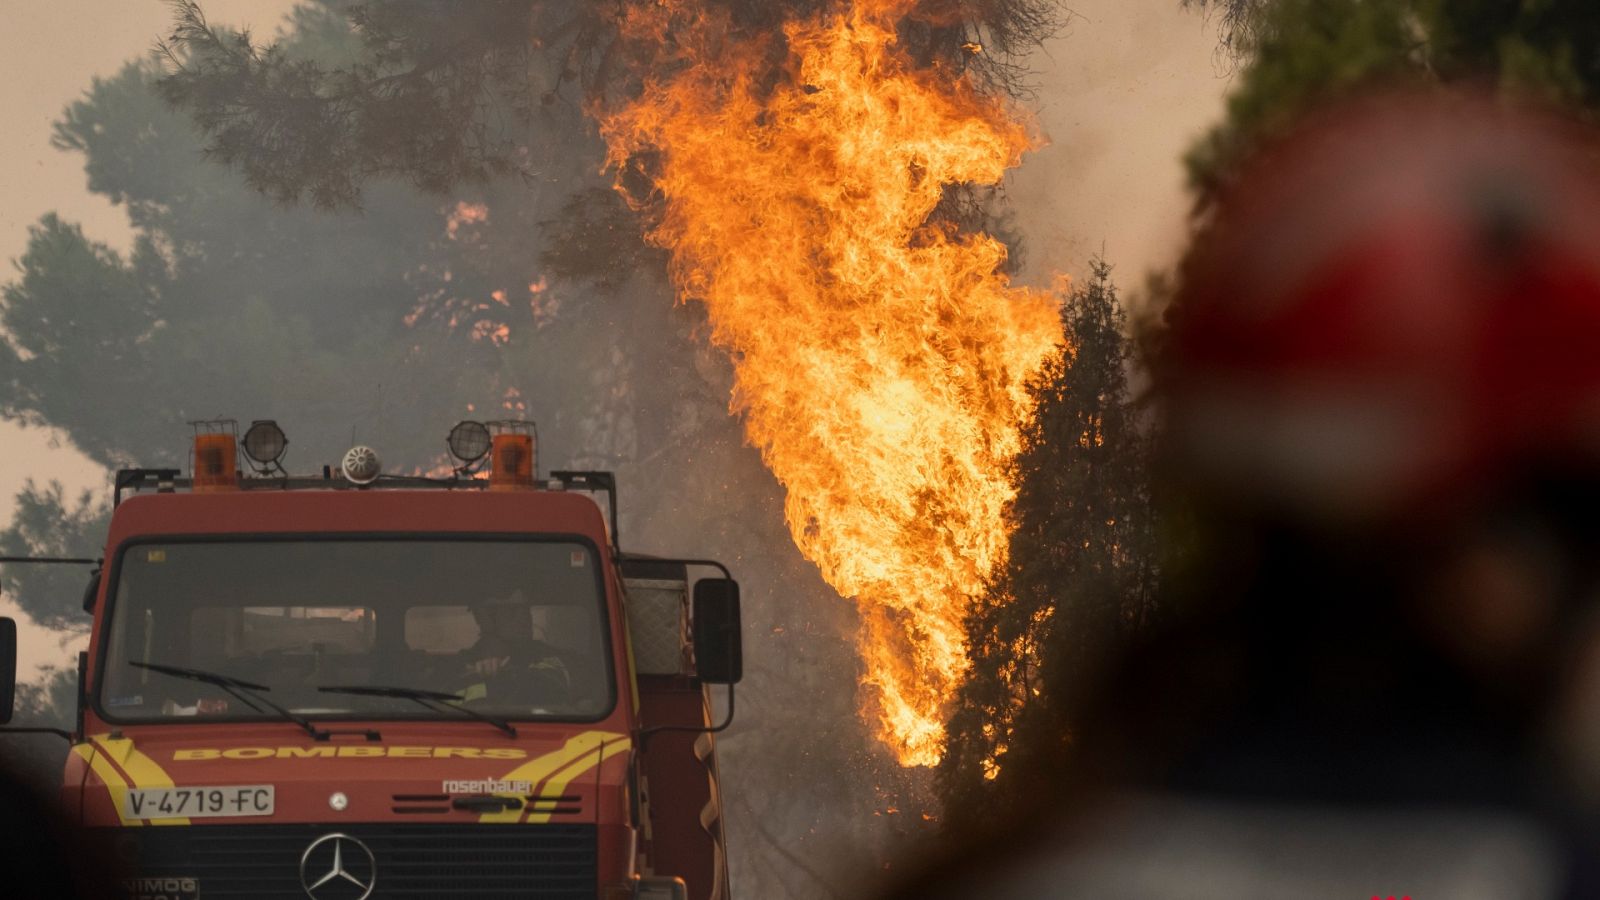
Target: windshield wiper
{"x": 427, "y": 699}
{"x": 244, "y": 690}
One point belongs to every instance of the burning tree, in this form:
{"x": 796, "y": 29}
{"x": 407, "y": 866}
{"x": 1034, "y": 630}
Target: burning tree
{"x": 1080, "y": 575}
{"x": 880, "y": 359}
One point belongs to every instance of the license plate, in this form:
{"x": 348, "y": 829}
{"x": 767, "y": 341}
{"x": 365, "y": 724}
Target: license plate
{"x": 194, "y": 802}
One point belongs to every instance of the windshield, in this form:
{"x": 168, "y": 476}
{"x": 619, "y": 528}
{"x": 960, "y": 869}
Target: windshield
{"x": 514, "y": 629}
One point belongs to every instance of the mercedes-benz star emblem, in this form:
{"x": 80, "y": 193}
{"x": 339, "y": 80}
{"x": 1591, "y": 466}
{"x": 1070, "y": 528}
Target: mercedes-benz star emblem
{"x": 338, "y": 867}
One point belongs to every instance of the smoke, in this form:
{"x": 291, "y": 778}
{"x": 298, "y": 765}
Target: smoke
{"x": 1122, "y": 93}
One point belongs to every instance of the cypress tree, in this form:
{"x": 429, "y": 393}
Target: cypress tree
{"x": 1081, "y": 571}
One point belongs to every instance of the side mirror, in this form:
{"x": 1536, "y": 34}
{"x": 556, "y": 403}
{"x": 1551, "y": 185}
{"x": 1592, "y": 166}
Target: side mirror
{"x": 8, "y": 668}
{"x": 718, "y": 653}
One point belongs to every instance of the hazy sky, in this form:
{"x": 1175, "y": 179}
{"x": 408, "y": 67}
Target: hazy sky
{"x": 1122, "y": 92}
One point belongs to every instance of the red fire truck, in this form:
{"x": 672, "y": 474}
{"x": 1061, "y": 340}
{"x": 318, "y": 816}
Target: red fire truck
{"x": 357, "y": 684}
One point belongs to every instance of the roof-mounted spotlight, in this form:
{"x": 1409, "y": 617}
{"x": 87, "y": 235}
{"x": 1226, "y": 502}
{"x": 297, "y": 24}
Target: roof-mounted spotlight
{"x": 468, "y": 442}
{"x": 265, "y": 444}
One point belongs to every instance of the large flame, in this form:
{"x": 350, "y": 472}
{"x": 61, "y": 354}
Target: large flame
{"x": 879, "y": 362}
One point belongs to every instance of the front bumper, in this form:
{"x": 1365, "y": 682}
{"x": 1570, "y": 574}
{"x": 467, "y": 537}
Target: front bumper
{"x": 353, "y": 861}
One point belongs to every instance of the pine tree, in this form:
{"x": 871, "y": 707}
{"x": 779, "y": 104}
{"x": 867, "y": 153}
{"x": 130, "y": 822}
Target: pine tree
{"x": 442, "y": 94}
{"x": 1081, "y": 571}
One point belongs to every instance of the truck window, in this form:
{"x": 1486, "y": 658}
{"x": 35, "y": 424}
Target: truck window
{"x": 515, "y": 628}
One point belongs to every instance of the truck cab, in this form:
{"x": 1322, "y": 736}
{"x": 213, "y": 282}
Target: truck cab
{"x": 355, "y": 686}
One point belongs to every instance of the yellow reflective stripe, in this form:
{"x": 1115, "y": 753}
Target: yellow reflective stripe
{"x": 535, "y": 770}
{"x": 560, "y": 780}
{"x": 107, "y": 773}
{"x": 143, "y": 772}
{"x": 103, "y": 770}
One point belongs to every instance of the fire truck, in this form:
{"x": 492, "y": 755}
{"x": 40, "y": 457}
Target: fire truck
{"x": 358, "y": 684}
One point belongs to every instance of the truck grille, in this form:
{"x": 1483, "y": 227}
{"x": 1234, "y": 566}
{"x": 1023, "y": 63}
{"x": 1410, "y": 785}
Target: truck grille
{"x": 550, "y": 862}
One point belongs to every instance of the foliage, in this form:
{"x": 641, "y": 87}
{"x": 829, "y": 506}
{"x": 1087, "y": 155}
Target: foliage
{"x": 435, "y": 97}
{"x": 46, "y": 524}
{"x": 1081, "y": 573}
{"x": 597, "y": 224}
{"x": 1239, "y": 22}
{"x": 327, "y": 322}
{"x": 1302, "y": 53}
{"x": 440, "y": 93}
{"x": 52, "y": 701}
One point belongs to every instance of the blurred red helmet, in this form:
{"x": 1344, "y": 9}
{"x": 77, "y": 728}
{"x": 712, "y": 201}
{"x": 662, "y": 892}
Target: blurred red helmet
{"x": 1395, "y": 305}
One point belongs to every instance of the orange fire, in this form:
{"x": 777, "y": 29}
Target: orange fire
{"x": 879, "y": 361}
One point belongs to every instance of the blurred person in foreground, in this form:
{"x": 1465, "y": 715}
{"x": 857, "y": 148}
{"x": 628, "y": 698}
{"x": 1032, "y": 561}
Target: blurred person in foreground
{"x": 1379, "y": 672}
{"x": 41, "y": 856}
